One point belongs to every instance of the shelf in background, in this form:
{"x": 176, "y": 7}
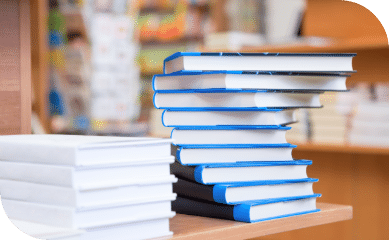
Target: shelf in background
{"x": 341, "y": 148}
{"x": 181, "y": 40}
{"x": 318, "y": 45}
{"x": 194, "y": 227}
{"x": 338, "y": 45}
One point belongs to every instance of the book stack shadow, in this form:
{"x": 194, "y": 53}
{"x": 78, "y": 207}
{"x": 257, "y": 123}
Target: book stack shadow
{"x": 230, "y": 113}
{"x": 106, "y": 187}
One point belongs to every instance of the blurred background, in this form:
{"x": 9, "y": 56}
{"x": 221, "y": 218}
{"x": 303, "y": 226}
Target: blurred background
{"x": 93, "y": 62}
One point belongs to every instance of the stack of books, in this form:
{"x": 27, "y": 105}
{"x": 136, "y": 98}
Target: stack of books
{"x": 107, "y": 187}
{"x": 229, "y": 112}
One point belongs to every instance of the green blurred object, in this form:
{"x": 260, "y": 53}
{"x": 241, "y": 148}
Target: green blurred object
{"x": 57, "y": 22}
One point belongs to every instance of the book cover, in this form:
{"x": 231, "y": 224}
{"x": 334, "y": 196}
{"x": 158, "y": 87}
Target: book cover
{"x": 216, "y": 154}
{"x": 216, "y": 99}
{"x": 193, "y": 118}
{"x": 211, "y": 174}
{"x": 260, "y": 80}
{"x": 307, "y": 62}
{"x": 245, "y": 191}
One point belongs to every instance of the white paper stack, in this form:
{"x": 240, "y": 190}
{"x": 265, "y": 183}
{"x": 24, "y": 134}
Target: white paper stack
{"x": 104, "y": 186}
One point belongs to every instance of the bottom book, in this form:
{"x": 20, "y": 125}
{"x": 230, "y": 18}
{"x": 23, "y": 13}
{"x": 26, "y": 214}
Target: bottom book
{"x": 253, "y": 211}
{"x": 145, "y": 229}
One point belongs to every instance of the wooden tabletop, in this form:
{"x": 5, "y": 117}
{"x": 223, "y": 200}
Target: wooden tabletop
{"x": 193, "y": 227}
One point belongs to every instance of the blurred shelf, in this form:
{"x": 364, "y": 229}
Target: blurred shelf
{"x": 170, "y": 10}
{"x": 339, "y": 45}
{"x": 336, "y": 45}
{"x": 194, "y": 227}
{"x": 182, "y": 40}
{"x": 341, "y": 148}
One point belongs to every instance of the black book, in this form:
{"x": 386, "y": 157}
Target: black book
{"x": 254, "y": 211}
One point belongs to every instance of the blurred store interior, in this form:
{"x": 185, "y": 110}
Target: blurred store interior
{"x": 93, "y": 63}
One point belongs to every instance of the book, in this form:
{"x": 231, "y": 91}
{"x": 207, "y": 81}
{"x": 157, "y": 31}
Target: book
{"x": 69, "y": 217}
{"x": 254, "y": 211}
{"x": 210, "y": 174}
{"x": 196, "y": 155}
{"x": 307, "y": 62}
{"x": 184, "y": 80}
{"x": 137, "y": 230}
{"x": 227, "y": 118}
{"x": 245, "y": 191}
{"x": 79, "y": 150}
{"x": 233, "y": 99}
{"x": 229, "y": 136}
{"x": 84, "y": 177}
{"x": 125, "y": 191}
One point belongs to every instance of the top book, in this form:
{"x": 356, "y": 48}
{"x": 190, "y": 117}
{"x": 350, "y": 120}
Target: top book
{"x": 306, "y": 62}
{"x": 81, "y": 150}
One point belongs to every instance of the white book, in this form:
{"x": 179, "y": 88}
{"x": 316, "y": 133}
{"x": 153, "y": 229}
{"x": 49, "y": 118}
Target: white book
{"x": 317, "y": 62}
{"x": 234, "y": 99}
{"x": 229, "y": 136}
{"x": 80, "y": 150}
{"x": 126, "y": 191}
{"x": 195, "y": 156}
{"x": 250, "y": 80}
{"x": 227, "y": 118}
{"x": 84, "y": 177}
{"x": 70, "y": 217}
{"x": 145, "y": 229}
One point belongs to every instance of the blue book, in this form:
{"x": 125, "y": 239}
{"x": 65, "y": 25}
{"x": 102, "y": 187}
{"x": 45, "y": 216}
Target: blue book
{"x": 218, "y": 154}
{"x": 254, "y": 211}
{"x": 238, "y": 80}
{"x": 229, "y": 136}
{"x": 234, "y": 99}
{"x": 305, "y": 62}
{"x": 231, "y": 173}
{"x": 245, "y": 191}
{"x": 243, "y": 117}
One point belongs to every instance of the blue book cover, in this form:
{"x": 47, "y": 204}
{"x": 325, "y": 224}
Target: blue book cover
{"x": 169, "y": 101}
{"x": 224, "y": 113}
{"x": 290, "y": 74}
{"x": 243, "y": 191}
{"x": 225, "y": 174}
{"x": 221, "y": 128}
{"x": 240, "y": 54}
{"x": 305, "y": 62}
{"x": 177, "y": 150}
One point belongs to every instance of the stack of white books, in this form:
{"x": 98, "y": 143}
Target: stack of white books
{"x": 107, "y": 187}
{"x": 229, "y": 112}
